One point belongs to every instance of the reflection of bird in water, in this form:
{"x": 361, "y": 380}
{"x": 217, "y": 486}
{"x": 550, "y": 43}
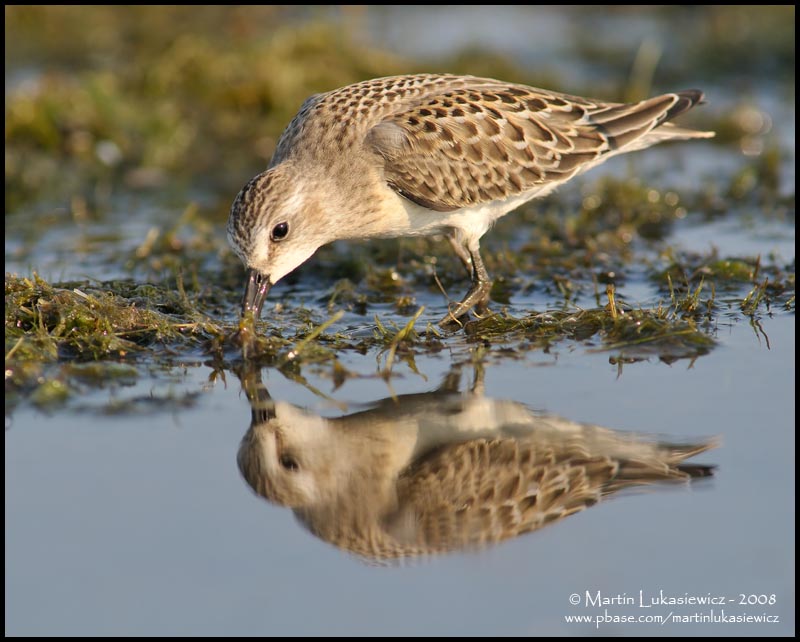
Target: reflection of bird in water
{"x": 440, "y": 471}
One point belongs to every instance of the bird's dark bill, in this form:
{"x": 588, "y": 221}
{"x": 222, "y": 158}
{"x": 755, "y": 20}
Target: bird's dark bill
{"x": 255, "y": 293}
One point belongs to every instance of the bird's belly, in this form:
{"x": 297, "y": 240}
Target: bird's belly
{"x": 471, "y": 222}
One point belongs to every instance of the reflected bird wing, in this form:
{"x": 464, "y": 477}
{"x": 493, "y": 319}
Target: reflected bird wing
{"x": 484, "y": 491}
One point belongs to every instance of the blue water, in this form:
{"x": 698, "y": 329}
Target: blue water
{"x": 143, "y": 524}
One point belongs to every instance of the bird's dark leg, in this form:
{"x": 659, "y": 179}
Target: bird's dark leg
{"x": 478, "y": 295}
{"x": 461, "y": 252}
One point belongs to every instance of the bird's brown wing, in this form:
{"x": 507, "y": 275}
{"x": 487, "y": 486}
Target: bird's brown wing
{"x": 488, "y": 140}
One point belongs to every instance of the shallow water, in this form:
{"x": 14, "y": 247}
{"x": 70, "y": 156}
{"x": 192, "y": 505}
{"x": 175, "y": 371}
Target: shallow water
{"x": 143, "y": 524}
{"x": 139, "y": 522}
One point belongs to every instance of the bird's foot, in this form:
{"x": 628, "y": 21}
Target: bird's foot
{"x": 477, "y": 298}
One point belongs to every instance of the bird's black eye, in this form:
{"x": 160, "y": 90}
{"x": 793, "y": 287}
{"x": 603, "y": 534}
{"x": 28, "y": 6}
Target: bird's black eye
{"x": 280, "y": 231}
{"x": 289, "y": 463}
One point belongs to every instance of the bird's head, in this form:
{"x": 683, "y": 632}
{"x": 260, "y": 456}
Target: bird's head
{"x": 274, "y": 226}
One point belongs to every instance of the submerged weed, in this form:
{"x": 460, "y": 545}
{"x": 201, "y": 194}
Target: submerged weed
{"x": 99, "y": 325}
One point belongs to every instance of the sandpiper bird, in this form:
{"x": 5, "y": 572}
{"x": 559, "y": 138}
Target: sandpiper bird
{"x": 441, "y": 471}
{"x": 427, "y": 154}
